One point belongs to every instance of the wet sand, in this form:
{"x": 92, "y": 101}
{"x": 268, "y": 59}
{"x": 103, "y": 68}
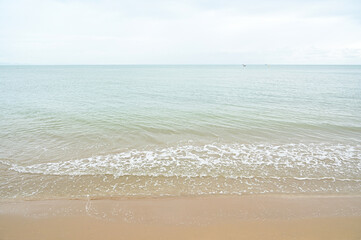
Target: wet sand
{"x": 212, "y": 217}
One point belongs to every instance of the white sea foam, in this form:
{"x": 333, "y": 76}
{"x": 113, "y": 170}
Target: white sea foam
{"x": 297, "y": 161}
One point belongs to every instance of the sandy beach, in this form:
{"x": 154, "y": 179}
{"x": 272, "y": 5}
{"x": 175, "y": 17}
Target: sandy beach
{"x": 180, "y": 120}
{"x": 212, "y": 217}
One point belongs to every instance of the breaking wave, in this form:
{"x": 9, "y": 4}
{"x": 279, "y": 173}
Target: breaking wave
{"x": 297, "y": 161}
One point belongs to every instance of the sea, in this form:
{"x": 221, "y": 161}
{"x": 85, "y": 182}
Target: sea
{"x": 78, "y": 132}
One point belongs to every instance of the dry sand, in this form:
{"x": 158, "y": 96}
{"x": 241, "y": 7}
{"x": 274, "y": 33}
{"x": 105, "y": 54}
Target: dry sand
{"x": 213, "y": 217}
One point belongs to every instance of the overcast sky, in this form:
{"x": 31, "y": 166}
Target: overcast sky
{"x": 180, "y": 32}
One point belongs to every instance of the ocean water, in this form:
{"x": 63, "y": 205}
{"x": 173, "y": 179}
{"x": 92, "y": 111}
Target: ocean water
{"x": 120, "y": 131}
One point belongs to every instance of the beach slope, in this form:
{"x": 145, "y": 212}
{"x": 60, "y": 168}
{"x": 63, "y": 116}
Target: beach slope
{"x": 213, "y": 217}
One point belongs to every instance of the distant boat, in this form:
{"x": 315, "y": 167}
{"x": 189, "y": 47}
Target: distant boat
{"x": 244, "y": 65}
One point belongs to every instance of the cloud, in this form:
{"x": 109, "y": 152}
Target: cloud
{"x": 179, "y": 32}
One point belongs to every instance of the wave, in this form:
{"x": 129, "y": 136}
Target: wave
{"x": 298, "y": 161}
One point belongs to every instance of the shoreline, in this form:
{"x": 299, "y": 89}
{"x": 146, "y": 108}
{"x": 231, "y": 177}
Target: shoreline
{"x": 200, "y": 217}
{"x": 174, "y": 197}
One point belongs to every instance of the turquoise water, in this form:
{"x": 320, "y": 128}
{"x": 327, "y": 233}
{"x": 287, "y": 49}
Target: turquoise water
{"x": 74, "y": 131}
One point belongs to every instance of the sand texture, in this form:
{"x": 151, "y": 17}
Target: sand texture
{"x": 214, "y": 217}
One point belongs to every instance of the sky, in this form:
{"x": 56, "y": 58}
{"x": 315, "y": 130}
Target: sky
{"x": 180, "y": 32}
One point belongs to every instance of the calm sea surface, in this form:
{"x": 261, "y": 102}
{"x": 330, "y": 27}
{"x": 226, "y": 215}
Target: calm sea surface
{"x": 101, "y": 131}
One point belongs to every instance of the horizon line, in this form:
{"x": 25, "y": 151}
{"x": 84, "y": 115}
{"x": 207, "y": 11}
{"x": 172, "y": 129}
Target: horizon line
{"x": 182, "y": 64}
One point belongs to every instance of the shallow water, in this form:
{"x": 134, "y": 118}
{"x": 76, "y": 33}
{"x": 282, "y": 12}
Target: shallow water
{"x": 78, "y": 131}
